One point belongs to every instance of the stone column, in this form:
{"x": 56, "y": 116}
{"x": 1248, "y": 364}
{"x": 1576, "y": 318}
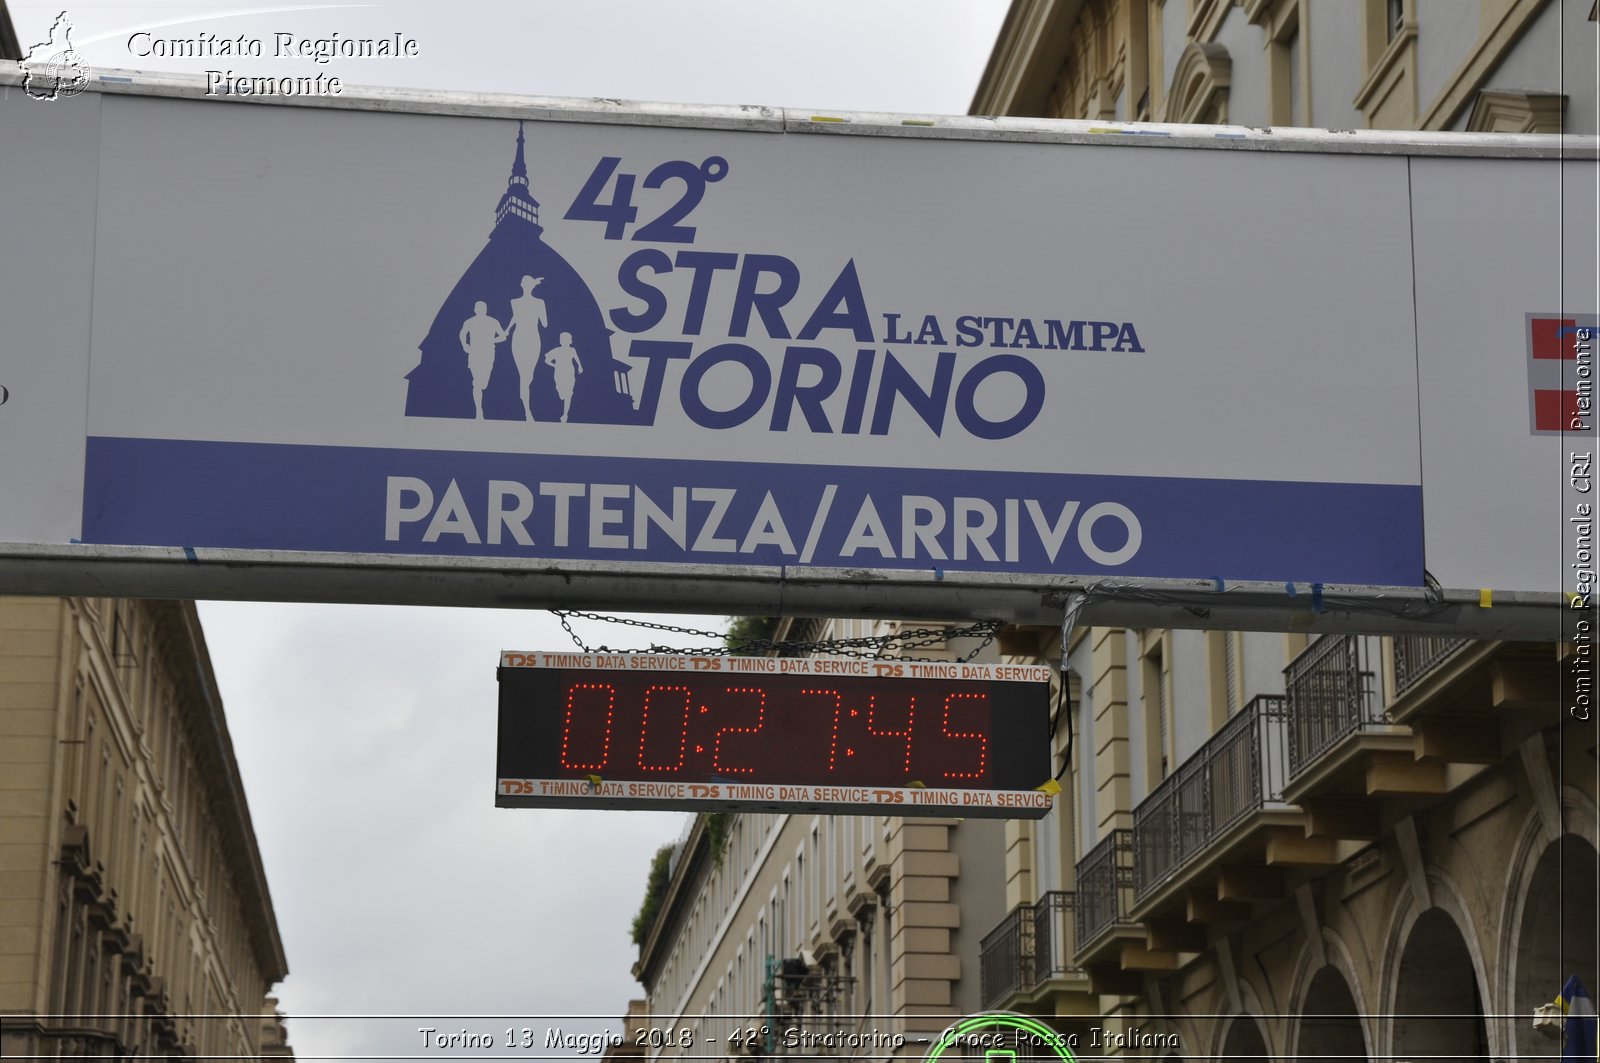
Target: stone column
{"x": 922, "y": 960}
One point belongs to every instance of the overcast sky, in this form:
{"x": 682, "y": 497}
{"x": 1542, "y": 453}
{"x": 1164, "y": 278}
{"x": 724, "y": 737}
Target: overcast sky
{"x": 366, "y": 734}
{"x": 892, "y": 55}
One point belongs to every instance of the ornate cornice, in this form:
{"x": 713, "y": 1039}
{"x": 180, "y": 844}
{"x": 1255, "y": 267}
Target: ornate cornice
{"x": 1026, "y": 59}
{"x": 1513, "y": 111}
{"x": 200, "y": 706}
{"x": 1494, "y": 41}
{"x": 1200, "y": 82}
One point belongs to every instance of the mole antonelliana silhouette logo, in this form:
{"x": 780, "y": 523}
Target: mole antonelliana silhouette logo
{"x": 520, "y": 336}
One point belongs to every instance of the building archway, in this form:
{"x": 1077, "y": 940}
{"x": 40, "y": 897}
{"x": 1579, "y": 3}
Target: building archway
{"x": 1556, "y": 932}
{"x": 1438, "y": 1003}
{"x": 1245, "y": 1041}
{"x": 1330, "y": 1022}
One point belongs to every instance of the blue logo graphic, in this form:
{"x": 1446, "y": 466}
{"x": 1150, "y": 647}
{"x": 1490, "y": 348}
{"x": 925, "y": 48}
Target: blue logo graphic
{"x": 520, "y": 336}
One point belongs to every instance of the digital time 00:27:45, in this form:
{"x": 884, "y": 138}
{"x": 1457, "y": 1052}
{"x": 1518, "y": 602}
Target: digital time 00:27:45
{"x": 761, "y": 729}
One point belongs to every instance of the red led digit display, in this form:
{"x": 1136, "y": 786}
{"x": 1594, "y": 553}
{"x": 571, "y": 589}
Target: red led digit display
{"x": 979, "y": 741}
{"x": 761, "y": 719}
{"x": 672, "y": 703}
{"x": 911, "y": 715}
{"x": 701, "y": 727}
{"x": 584, "y": 704}
{"x": 732, "y": 736}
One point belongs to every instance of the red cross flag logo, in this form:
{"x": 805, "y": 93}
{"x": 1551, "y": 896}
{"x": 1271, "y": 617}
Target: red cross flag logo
{"x": 1561, "y": 372}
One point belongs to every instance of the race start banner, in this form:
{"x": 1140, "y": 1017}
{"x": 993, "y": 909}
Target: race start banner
{"x": 716, "y": 344}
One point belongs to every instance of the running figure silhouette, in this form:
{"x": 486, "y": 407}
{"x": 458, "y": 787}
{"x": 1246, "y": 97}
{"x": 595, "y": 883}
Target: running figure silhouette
{"x": 528, "y": 321}
{"x": 565, "y": 362}
{"x": 479, "y": 335}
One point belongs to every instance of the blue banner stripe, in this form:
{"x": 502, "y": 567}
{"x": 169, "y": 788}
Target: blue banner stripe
{"x": 359, "y": 500}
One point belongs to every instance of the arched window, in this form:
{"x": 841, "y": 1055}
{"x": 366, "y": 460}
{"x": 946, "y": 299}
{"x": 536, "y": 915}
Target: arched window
{"x": 1330, "y": 1023}
{"x": 1245, "y": 1041}
{"x": 1555, "y": 934}
{"x": 1437, "y": 997}
{"x": 1199, "y": 91}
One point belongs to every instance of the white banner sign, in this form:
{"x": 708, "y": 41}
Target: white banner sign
{"x": 370, "y": 334}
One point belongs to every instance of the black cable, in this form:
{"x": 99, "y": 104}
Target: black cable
{"x": 1055, "y": 723}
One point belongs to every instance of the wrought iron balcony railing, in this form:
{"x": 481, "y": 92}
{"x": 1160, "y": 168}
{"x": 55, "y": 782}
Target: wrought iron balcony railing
{"x": 1005, "y": 958}
{"x": 1105, "y": 887}
{"x": 1030, "y": 946}
{"x": 1053, "y": 936}
{"x": 1330, "y": 695}
{"x": 1239, "y": 770}
{"x": 1416, "y": 657}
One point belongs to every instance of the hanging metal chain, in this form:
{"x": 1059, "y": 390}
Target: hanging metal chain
{"x": 870, "y": 646}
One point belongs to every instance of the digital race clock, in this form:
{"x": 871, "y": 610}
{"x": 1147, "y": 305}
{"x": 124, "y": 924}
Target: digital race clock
{"x": 825, "y": 733}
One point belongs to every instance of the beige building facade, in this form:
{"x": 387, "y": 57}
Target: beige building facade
{"x": 1512, "y": 66}
{"x": 1278, "y": 846}
{"x": 1368, "y": 848}
{"x": 134, "y": 912}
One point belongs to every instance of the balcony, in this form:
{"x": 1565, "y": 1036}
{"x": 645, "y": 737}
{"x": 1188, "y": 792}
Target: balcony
{"x": 1330, "y": 697}
{"x": 1346, "y": 752}
{"x": 1027, "y": 951}
{"x": 66, "y": 1043}
{"x": 1414, "y": 658}
{"x": 1222, "y": 800}
{"x": 1005, "y": 958}
{"x": 1105, "y": 894}
{"x": 1469, "y": 702}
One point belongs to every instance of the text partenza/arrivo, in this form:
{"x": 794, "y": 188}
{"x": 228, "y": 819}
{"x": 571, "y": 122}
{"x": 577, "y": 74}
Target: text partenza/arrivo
{"x": 779, "y": 523}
